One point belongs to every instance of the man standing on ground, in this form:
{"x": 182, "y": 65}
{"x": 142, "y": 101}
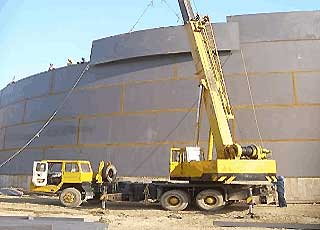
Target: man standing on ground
{"x": 280, "y": 191}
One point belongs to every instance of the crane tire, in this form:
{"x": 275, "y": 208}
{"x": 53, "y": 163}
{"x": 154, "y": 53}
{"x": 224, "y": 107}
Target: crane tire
{"x": 109, "y": 173}
{"x": 210, "y": 200}
{"x": 70, "y": 197}
{"x": 175, "y": 200}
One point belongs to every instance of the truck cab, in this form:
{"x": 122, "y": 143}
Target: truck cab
{"x": 70, "y": 179}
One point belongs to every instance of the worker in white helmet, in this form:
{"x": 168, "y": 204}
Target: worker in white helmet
{"x": 69, "y": 61}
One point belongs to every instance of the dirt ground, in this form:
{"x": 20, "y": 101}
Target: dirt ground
{"x": 141, "y": 216}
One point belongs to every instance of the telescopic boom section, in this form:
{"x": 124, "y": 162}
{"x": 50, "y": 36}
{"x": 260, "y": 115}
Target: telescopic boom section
{"x": 209, "y": 71}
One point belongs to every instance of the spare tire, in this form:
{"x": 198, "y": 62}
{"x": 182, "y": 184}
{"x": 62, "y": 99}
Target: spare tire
{"x": 109, "y": 173}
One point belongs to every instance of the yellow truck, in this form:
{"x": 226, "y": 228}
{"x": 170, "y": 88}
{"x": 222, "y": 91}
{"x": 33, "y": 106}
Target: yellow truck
{"x": 73, "y": 180}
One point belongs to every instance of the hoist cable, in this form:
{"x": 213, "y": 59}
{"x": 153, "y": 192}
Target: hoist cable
{"x": 251, "y": 97}
{"x": 49, "y": 119}
{"x": 195, "y": 6}
{"x": 144, "y": 11}
{"x": 173, "y": 11}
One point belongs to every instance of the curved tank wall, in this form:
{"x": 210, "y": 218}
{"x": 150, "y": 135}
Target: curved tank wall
{"x": 138, "y": 98}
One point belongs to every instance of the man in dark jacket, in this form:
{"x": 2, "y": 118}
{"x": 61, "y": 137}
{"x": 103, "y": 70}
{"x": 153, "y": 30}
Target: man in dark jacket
{"x": 280, "y": 191}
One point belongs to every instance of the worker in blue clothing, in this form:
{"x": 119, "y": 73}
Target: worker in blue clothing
{"x": 280, "y": 191}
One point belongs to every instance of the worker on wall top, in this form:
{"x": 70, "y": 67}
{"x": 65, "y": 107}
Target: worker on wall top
{"x": 82, "y": 61}
{"x": 51, "y": 67}
{"x": 69, "y": 61}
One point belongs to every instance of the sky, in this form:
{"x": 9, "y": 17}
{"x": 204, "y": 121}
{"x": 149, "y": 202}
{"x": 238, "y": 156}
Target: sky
{"x": 34, "y": 33}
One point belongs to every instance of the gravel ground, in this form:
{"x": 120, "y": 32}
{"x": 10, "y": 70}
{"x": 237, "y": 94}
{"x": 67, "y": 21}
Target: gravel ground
{"x": 125, "y": 215}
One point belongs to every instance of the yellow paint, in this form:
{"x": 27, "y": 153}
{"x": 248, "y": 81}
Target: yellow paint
{"x": 78, "y": 131}
{"x": 196, "y": 169}
{"x": 122, "y": 96}
{"x": 210, "y": 146}
{"x": 294, "y": 87}
{"x": 222, "y": 178}
{"x": 98, "y": 175}
{"x": 229, "y": 180}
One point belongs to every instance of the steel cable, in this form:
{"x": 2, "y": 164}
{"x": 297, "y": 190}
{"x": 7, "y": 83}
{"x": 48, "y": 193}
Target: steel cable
{"x": 49, "y": 119}
{"x": 251, "y": 97}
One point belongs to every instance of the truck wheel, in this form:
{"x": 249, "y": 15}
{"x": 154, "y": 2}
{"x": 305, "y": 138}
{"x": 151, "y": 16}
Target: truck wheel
{"x": 175, "y": 200}
{"x": 210, "y": 200}
{"x": 70, "y": 197}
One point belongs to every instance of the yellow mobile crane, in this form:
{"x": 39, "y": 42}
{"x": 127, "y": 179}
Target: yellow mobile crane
{"x": 236, "y": 167}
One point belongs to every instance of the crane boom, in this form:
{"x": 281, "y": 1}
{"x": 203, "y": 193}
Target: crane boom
{"x": 215, "y": 97}
{"x": 233, "y": 160}
{"x": 209, "y": 71}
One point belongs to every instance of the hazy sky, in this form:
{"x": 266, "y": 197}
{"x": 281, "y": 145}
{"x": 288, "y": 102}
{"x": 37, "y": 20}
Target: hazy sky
{"x": 34, "y": 33}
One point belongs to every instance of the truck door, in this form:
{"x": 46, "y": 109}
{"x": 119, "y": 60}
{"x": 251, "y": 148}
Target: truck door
{"x": 71, "y": 173}
{"x": 40, "y": 173}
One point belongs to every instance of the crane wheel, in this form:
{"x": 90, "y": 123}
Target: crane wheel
{"x": 70, "y": 197}
{"x": 210, "y": 200}
{"x": 109, "y": 173}
{"x": 175, "y": 200}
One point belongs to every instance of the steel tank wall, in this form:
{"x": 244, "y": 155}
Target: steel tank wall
{"x": 138, "y": 99}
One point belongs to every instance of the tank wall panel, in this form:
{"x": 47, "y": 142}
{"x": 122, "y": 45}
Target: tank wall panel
{"x": 232, "y": 64}
{"x": 41, "y": 108}
{"x": 2, "y": 131}
{"x": 33, "y": 86}
{"x": 279, "y": 123}
{"x": 65, "y": 78}
{"x": 302, "y": 190}
{"x": 281, "y": 56}
{"x": 57, "y": 133}
{"x": 83, "y": 102}
{"x": 161, "y": 95}
{"x": 12, "y": 114}
{"x": 185, "y": 66}
{"x": 147, "y": 128}
{"x": 306, "y": 158}
{"x": 278, "y": 26}
{"x": 22, "y": 163}
{"x": 130, "y": 161}
{"x": 116, "y": 72}
{"x": 308, "y": 87}
{"x": 157, "y": 41}
{"x": 266, "y": 89}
